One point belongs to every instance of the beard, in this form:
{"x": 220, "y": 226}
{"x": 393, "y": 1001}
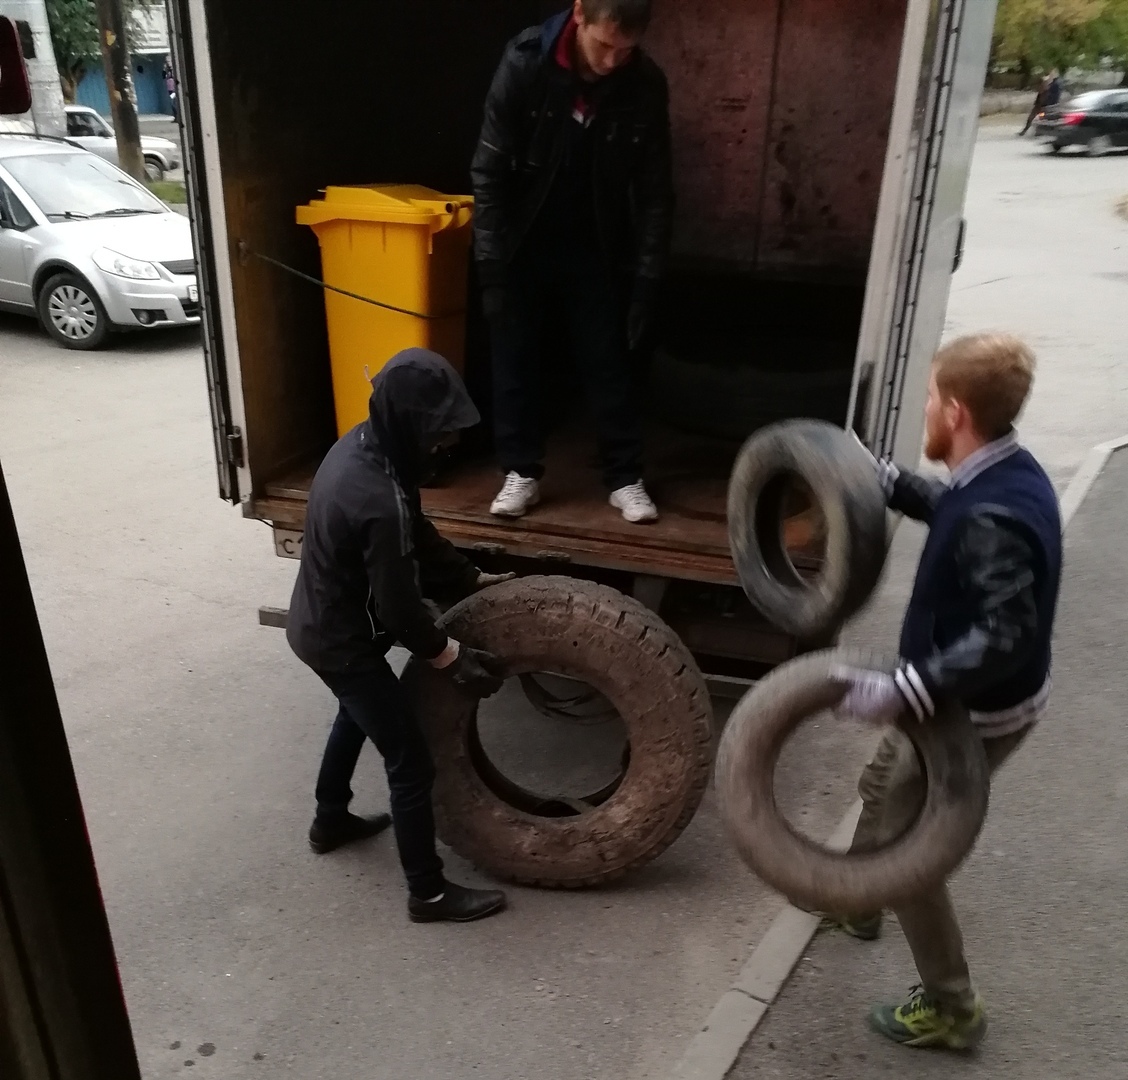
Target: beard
{"x": 937, "y": 444}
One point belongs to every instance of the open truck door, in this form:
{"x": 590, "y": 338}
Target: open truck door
{"x": 919, "y": 236}
{"x": 191, "y": 60}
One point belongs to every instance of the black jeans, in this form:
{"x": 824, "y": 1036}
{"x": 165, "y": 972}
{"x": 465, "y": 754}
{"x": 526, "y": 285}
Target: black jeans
{"x": 570, "y": 292}
{"x": 373, "y": 705}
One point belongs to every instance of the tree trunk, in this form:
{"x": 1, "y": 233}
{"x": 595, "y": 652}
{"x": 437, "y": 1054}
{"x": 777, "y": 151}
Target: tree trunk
{"x": 69, "y": 81}
{"x": 119, "y": 83}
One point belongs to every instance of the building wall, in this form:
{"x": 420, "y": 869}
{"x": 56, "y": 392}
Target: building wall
{"x": 46, "y": 95}
{"x": 148, "y": 84}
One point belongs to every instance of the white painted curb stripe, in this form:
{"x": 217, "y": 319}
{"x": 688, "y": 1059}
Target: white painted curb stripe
{"x": 1086, "y": 476}
{"x": 714, "y": 1049}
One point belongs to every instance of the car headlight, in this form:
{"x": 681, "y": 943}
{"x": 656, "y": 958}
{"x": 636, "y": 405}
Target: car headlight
{"x": 122, "y": 266}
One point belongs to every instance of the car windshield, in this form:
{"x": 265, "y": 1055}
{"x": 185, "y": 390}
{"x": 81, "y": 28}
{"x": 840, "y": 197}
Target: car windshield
{"x": 66, "y": 187}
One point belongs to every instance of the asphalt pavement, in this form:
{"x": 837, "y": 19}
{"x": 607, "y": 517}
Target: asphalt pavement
{"x": 196, "y": 737}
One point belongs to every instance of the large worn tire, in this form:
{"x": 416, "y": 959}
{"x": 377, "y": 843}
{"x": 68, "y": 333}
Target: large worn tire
{"x": 623, "y": 650}
{"x": 846, "y": 490}
{"x": 806, "y": 873}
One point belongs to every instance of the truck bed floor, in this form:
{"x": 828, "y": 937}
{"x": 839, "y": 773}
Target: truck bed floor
{"x": 686, "y": 475}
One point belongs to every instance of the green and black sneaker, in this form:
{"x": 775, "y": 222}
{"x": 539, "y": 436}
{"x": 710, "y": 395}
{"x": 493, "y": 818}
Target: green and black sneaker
{"x": 922, "y": 1022}
{"x": 863, "y": 927}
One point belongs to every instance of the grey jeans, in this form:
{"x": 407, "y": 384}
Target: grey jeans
{"x": 892, "y": 791}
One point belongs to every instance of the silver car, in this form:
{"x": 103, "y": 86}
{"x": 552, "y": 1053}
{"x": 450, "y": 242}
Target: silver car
{"x": 86, "y": 128}
{"x": 87, "y": 248}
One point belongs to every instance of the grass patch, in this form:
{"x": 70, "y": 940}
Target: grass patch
{"x": 169, "y": 191}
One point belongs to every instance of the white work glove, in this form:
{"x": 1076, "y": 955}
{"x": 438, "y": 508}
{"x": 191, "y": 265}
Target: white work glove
{"x": 885, "y": 470}
{"x": 486, "y": 580}
{"x": 878, "y": 698}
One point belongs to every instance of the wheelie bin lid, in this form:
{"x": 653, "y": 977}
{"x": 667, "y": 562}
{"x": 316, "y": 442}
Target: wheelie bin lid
{"x": 405, "y": 204}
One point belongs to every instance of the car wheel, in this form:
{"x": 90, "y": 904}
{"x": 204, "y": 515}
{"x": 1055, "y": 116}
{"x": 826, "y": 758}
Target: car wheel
{"x": 72, "y": 313}
{"x": 1098, "y": 145}
{"x": 154, "y": 170}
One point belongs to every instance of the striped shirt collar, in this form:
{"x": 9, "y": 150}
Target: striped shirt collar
{"x": 983, "y": 458}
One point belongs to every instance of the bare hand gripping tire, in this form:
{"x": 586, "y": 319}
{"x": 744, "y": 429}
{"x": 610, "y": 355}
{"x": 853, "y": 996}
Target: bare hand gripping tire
{"x": 626, "y": 652}
{"x": 812, "y": 876}
{"x": 842, "y": 480}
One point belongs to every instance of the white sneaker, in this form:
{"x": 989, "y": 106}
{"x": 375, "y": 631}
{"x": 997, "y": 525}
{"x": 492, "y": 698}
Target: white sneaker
{"x": 635, "y": 504}
{"x": 518, "y": 495}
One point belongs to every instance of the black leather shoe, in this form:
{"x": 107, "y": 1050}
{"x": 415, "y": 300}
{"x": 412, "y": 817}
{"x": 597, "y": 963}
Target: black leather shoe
{"x": 458, "y": 904}
{"x": 326, "y": 836}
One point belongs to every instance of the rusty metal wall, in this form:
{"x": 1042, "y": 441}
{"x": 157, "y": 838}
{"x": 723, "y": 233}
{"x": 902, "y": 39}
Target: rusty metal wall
{"x": 780, "y": 112}
{"x": 836, "y": 68}
{"x": 718, "y": 56}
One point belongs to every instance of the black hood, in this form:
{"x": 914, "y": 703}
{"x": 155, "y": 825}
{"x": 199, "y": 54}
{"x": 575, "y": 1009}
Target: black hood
{"x": 417, "y": 400}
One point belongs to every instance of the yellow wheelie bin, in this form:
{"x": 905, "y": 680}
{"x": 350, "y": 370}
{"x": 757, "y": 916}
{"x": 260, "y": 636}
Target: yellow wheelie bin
{"x": 406, "y": 247}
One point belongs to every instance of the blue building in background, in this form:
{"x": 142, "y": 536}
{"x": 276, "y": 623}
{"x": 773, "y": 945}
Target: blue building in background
{"x": 148, "y": 43}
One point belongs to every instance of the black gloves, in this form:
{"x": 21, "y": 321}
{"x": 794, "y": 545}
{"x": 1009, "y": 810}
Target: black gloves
{"x": 473, "y": 671}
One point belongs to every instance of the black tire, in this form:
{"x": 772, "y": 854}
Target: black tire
{"x": 154, "y": 170}
{"x": 731, "y": 401}
{"x": 626, "y": 652}
{"x": 844, "y": 486}
{"x": 809, "y": 875}
{"x": 71, "y": 312}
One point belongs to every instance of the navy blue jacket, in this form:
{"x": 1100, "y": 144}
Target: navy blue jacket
{"x": 980, "y": 620}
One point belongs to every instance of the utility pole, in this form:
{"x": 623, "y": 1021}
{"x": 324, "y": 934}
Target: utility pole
{"x": 119, "y": 83}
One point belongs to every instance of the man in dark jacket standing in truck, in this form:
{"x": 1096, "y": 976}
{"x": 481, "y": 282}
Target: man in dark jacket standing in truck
{"x": 574, "y": 201}
{"x": 977, "y": 631}
{"x": 367, "y": 547}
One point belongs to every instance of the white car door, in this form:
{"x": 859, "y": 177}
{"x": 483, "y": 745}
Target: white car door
{"x": 15, "y": 249}
{"x": 87, "y": 129}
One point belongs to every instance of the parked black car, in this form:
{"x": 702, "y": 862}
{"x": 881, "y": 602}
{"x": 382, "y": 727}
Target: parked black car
{"x": 1097, "y": 120}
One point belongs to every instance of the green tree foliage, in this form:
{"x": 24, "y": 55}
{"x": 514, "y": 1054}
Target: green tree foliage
{"x": 74, "y": 34}
{"x": 1037, "y": 35}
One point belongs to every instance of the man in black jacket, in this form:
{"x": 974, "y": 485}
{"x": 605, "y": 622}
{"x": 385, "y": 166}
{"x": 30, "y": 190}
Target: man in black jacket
{"x": 977, "y": 631}
{"x": 574, "y": 201}
{"x": 366, "y": 548}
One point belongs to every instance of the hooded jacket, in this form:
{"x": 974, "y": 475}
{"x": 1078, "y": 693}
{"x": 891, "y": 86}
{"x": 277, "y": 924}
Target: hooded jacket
{"x": 367, "y": 543}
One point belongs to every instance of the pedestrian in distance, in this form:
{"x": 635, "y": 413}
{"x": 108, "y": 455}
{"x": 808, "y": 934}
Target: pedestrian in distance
{"x": 573, "y": 207}
{"x": 1049, "y": 94}
{"x": 366, "y": 549}
{"x": 170, "y": 87}
{"x": 977, "y": 631}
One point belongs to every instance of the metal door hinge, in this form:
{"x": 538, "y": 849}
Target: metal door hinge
{"x": 235, "y": 447}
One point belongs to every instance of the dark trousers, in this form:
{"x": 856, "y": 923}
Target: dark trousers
{"x": 373, "y": 705}
{"x": 573, "y": 294}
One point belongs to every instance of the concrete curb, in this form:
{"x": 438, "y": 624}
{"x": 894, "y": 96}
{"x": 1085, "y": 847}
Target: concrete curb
{"x": 714, "y": 1049}
{"x": 1086, "y": 476}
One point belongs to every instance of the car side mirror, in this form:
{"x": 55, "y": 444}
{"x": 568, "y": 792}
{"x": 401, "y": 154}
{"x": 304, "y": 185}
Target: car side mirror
{"x": 15, "y": 89}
